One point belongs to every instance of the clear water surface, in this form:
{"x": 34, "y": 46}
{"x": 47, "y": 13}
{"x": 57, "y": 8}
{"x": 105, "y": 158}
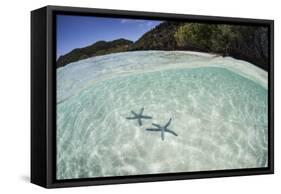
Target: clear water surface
{"x": 218, "y": 108}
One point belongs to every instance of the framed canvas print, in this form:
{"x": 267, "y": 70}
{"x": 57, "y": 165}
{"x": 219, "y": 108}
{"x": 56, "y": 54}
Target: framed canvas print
{"x": 126, "y": 96}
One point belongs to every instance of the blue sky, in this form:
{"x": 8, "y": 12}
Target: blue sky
{"x": 80, "y": 31}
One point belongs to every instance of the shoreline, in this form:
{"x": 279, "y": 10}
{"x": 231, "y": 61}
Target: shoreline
{"x": 240, "y": 67}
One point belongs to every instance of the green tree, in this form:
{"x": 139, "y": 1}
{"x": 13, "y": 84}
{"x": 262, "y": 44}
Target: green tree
{"x": 195, "y": 35}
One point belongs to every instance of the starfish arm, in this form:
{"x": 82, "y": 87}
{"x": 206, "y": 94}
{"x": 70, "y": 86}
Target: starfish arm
{"x": 156, "y": 125}
{"x": 146, "y": 117}
{"x": 139, "y": 121}
{"x": 141, "y": 111}
{"x": 169, "y": 122}
{"x": 152, "y": 129}
{"x": 162, "y": 135}
{"x": 130, "y": 117}
{"x": 169, "y": 131}
{"x": 135, "y": 114}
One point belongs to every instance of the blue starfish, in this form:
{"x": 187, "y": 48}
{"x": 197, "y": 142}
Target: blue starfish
{"x": 139, "y": 116}
{"x": 162, "y": 129}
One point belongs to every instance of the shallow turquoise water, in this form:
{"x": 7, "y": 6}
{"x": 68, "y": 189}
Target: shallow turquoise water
{"x": 220, "y": 118}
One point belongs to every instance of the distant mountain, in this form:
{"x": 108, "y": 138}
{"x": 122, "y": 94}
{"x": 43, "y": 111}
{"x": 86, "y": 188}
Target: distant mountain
{"x": 249, "y": 43}
{"x": 159, "y": 38}
{"x": 96, "y": 49}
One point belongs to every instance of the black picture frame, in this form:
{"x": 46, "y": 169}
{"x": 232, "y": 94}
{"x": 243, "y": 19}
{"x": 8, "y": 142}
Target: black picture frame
{"x": 43, "y": 97}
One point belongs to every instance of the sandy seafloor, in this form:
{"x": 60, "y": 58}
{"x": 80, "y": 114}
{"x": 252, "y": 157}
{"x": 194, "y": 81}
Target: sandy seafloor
{"x": 218, "y": 106}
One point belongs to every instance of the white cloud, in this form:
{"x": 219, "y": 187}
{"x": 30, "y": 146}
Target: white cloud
{"x": 123, "y": 21}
